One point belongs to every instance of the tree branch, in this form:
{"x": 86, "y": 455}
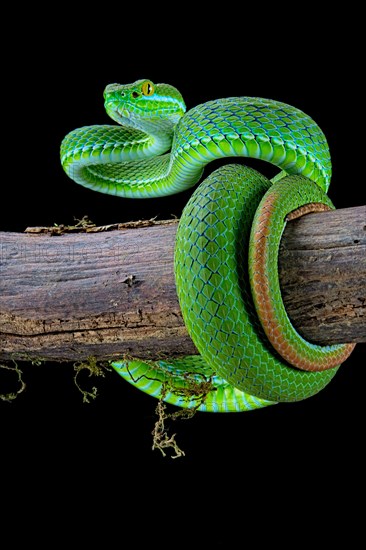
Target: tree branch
{"x": 110, "y": 293}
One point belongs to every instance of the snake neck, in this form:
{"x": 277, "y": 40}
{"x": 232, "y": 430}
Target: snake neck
{"x": 91, "y": 155}
{"x": 105, "y": 144}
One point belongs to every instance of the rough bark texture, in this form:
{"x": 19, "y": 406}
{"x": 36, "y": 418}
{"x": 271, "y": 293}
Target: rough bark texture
{"x": 110, "y": 293}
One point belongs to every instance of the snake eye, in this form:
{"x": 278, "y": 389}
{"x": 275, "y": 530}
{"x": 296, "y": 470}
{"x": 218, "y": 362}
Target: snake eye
{"x": 147, "y": 88}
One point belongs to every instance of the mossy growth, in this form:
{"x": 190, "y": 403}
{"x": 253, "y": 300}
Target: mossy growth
{"x": 95, "y": 369}
{"x": 10, "y": 396}
{"x": 195, "y": 390}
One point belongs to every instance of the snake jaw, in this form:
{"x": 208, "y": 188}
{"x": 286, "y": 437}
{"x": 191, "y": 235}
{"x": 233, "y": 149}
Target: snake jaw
{"x": 117, "y": 112}
{"x": 121, "y": 115}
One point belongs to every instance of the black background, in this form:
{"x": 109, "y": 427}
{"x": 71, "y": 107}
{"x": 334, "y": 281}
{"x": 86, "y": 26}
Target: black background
{"x": 309, "y": 455}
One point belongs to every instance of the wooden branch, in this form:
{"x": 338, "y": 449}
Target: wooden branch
{"x": 106, "y": 294}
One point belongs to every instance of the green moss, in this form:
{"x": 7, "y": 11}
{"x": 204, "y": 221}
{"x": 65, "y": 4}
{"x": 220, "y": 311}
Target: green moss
{"x": 95, "y": 369}
{"x": 161, "y": 439}
{"x": 13, "y": 395}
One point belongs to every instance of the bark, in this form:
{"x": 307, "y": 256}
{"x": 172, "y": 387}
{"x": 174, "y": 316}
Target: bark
{"x": 106, "y": 293}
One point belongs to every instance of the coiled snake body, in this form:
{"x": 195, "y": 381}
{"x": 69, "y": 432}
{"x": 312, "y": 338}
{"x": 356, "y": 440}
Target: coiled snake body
{"x": 251, "y": 356}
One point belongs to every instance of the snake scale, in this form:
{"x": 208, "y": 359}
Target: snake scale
{"x": 227, "y": 240}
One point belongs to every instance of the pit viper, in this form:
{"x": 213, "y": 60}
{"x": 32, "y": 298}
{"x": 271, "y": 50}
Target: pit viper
{"x": 227, "y": 240}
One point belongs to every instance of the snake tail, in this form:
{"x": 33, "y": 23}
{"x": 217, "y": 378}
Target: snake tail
{"x": 279, "y": 203}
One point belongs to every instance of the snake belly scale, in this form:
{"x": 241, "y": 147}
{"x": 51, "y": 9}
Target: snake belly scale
{"x": 160, "y": 149}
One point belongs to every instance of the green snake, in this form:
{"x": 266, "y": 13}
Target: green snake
{"x": 228, "y": 236}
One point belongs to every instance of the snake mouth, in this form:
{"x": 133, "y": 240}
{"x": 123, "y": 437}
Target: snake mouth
{"x": 118, "y": 113}
{"x": 124, "y": 115}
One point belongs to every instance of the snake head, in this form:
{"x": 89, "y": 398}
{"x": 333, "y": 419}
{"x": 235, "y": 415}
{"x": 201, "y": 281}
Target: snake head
{"x": 143, "y": 105}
